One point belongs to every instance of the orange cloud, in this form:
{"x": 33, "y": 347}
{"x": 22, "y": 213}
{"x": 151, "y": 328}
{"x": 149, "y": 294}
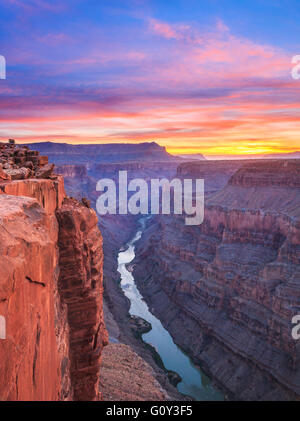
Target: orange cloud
{"x": 209, "y": 92}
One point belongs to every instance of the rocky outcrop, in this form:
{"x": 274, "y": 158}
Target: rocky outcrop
{"x": 284, "y": 173}
{"x": 122, "y": 366}
{"x": 50, "y": 286}
{"x": 232, "y": 284}
{"x": 21, "y": 163}
{"x": 215, "y": 173}
{"x": 49, "y": 193}
{"x": 80, "y": 285}
{"x": 34, "y": 355}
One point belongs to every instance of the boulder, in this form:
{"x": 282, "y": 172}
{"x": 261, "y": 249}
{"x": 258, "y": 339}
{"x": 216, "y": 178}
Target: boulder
{"x": 18, "y": 173}
{"x": 45, "y": 172}
{"x": 3, "y": 174}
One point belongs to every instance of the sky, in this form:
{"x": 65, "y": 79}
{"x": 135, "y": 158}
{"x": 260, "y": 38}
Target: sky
{"x": 210, "y": 77}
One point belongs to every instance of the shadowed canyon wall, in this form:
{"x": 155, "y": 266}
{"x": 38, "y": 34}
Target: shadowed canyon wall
{"x": 232, "y": 284}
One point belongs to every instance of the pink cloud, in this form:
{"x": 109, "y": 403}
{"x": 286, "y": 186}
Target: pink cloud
{"x": 216, "y": 55}
{"x": 198, "y": 87}
{"x": 165, "y": 30}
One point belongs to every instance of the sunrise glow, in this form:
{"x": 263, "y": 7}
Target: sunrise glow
{"x": 194, "y": 83}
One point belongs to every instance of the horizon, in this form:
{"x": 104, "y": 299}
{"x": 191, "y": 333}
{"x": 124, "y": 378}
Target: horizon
{"x": 184, "y": 155}
{"x": 202, "y": 77}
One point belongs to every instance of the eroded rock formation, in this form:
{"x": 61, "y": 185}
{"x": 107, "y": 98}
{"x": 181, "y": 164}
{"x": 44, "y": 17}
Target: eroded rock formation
{"x": 36, "y": 345}
{"x": 50, "y": 285}
{"x": 80, "y": 285}
{"x": 127, "y": 377}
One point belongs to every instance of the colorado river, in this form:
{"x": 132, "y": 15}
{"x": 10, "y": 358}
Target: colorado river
{"x": 194, "y": 382}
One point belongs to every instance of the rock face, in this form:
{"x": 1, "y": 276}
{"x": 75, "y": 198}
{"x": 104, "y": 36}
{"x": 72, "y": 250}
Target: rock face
{"x": 268, "y": 174}
{"x": 232, "y": 284}
{"x": 49, "y": 193}
{"x": 77, "y": 181}
{"x": 33, "y": 354}
{"x": 81, "y": 261}
{"x": 50, "y": 288}
{"x": 21, "y": 163}
{"x": 127, "y": 377}
{"x": 215, "y": 173}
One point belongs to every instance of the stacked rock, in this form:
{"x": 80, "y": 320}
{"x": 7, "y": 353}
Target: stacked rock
{"x": 19, "y": 162}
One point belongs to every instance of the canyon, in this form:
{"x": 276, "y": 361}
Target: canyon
{"x": 225, "y": 290}
{"x": 51, "y": 290}
{"x": 234, "y": 280}
{"x": 232, "y": 284}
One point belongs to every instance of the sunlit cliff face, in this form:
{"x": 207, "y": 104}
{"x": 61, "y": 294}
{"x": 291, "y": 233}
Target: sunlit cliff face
{"x": 193, "y": 82}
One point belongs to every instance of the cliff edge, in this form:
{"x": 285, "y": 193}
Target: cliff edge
{"x": 50, "y": 284}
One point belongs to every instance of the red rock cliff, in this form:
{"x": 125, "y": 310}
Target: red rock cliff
{"x": 80, "y": 284}
{"x": 50, "y": 285}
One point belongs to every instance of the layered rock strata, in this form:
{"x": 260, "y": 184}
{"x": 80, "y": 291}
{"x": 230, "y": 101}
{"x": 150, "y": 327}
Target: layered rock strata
{"x": 53, "y": 312}
{"x": 232, "y": 284}
{"x": 80, "y": 285}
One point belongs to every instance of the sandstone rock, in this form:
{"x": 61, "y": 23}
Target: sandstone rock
{"x": 122, "y": 367}
{"x": 31, "y": 356}
{"x": 45, "y": 172}
{"x": 80, "y": 283}
{"x": 3, "y": 174}
{"x": 43, "y": 160}
{"x": 28, "y": 164}
{"x": 18, "y": 174}
{"x": 55, "y": 328}
{"x": 86, "y": 202}
{"x": 50, "y": 194}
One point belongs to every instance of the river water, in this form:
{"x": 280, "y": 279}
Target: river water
{"x": 194, "y": 382}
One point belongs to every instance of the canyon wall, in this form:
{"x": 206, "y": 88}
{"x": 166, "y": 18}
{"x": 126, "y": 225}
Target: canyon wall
{"x": 232, "y": 284}
{"x": 50, "y": 285}
{"x": 80, "y": 285}
{"x": 215, "y": 173}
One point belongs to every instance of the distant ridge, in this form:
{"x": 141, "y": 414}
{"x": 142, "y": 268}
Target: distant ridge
{"x": 290, "y": 155}
{"x": 107, "y": 153}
